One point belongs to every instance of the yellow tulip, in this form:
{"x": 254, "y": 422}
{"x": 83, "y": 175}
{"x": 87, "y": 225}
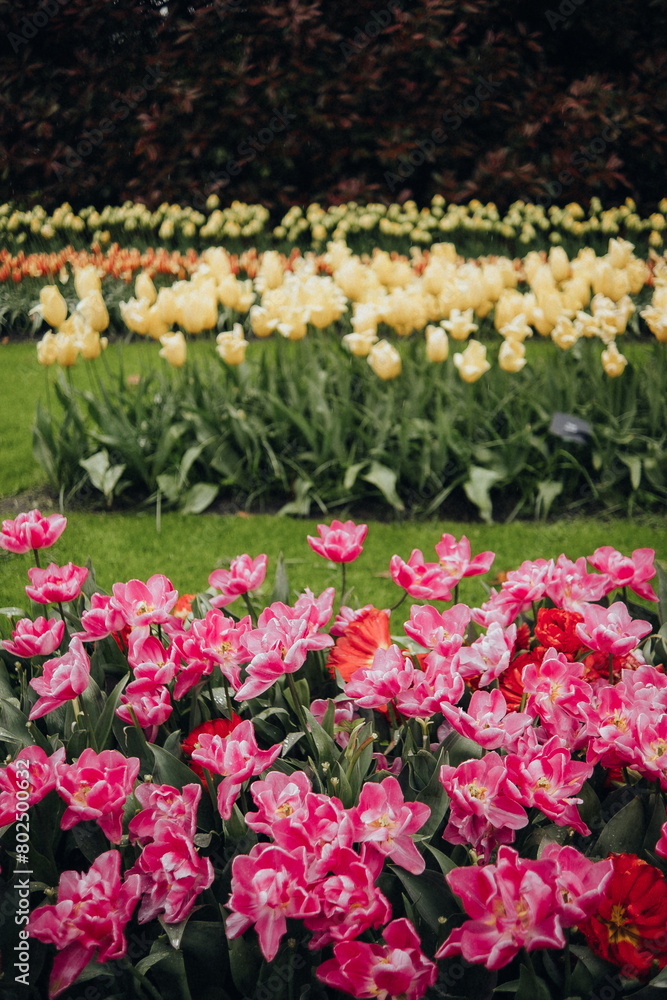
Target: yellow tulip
{"x": 47, "y": 350}
{"x": 134, "y": 314}
{"x": 54, "y": 307}
{"x": 613, "y": 361}
{"x": 656, "y": 320}
{"x": 232, "y": 345}
{"x": 385, "y": 360}
{"x": 472, "y": 362}
{"x": 86, "y": 279}
{"x": 360, "y": 344}
{"x": 67, "y": 350}
{"x": 144, "y": 288}
{"x": 564, "y": 334}
{"x": 517, "y": 329}
{"x": 262, "y": 323}
{"x": 460, "y": 324}
{"x": 89, "y": 344}
{"x": 437, "y": 344}
{"x": 94, "y": 311}
{"x": 511, "y": 356}
{"x": 173, "y": 349}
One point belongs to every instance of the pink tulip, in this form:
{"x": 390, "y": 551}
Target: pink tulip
{"x": 627, "y": 571}
{"x": 322, "y": 827}
{"x": 549, "y": 781}
{"x": 570, "y": 586}
{"x": 31, "y": 531}
{"x": 349, "y": 902}
{"x": 160, "y": 802}
{"x": 172, "y": 874}
{"x": 236, "y": 757}
{"x": 442, "y": 631}
{"x": 512, "y": 905}
{"x": 340, "y": 543}
{"x": 398, "y": 970}
{"x": 489, "y": 655}
{"x": 244, "y": 574}
{"x": 279, "y": 647}
{"x": 455, "y": 557}
{"x": 269, "y": 886}
{"x": 38, "y": 638}
{"x": 422, "y": 580}
{"x": 101, "y": 620}
{"x": 487, "y": 721}
{"x": 389, "y": 674}
{"x": 383, "y": 819}
{"x": 485, "y": 807}
{"x": 581, "y": 884}
{"x": 611, "y": 630}
{"x": 31, "y": 773}
{"x": 150, "y": 703}
{"x": 63, "y": 679}
{"x": 55, "y": 584}
{"x": 278, "y": 796}
{"x": 89, "y": 917}
{"x": 439, "y": 684}
{"x": 147, "y": 603}
{"x": 96, "y": 787}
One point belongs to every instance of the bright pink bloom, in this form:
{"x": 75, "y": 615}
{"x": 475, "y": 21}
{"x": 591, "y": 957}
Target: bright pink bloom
{"x": 549, "y": 781}
{"x": 390, "y": 673}
{"x": 244, "y": 574}
{"x": 571, "y": 586}
{"x": 236, "y": 757}
{"x": 650, "y": 747}
{"x": 437, "y": 685}
{"x": 398, "y": 970}
{"x": 627, "y": 571}
{"x": 581, "y": 884}
{"x": 442, "y": 631}
{"x": 278, "y": 796}
{"x": 422, "y": 580}
{"x": 148, "y": 657}
{"x": 489, "y": 655}
{"x": 63, "y": 678}
{"x": 210, "y": 642}
{"x": 455, "y": 557}
{"x": 147, "y": 603}
{"x": 558, "y": 694}
{"x": 38, "y": 638}
{"x": 55, "y": 584}
{"x": 321, "y": 826}
{"x": 349, "y": 902}
{"x": 101, "y": 620}
{"x": 513, "y": 905}
{"x": 172, "y": 874}
{"x": 487, "y": 721}
{"x": 611, "y": 630}
{"x": 279, "y": 647}
{"x": 660, "y": 847}
{"x": 31, "y": 531}
{"x": 160, "y": 802}
{"x": 485, "y": 807}
{"x": 609, "y": 716}
{"x": 383, "y": 819}
{"x": 315, "y": 611}
{"x": 96, "y": 787}
{"x": 32, "y": 773}
{"x": 89, "y": 917}
{"x": 151, "y": 704}
{"x": 521, "y": 588}
{"x": 341, "y": 543}
{"x": 269, "y": 885}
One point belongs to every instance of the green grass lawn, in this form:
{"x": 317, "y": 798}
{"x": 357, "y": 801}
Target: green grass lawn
{"x": 188, "y": 548}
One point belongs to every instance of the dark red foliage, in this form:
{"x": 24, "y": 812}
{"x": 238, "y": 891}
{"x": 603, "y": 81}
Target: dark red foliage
{"x": 286, "y": 102}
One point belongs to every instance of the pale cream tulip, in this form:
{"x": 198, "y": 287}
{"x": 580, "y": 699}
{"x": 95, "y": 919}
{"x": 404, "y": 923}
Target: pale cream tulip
{"x": 47, "y": 350}
{"x": 437, "y": 344}
{"x": 54, "y": 307}
{"x": 173, "y": 349}
{"x": 613, "y": 361}
{"x": 385, "y": 360}
{"x": 232, "y": 345}
{"x": 86, "y": 280}
{"x": 360, "y": 344}
{"x": 511, "y": 356}
{"x": 459, "y": 326}
{"x": 472, "y": 363}
{"x": 144, "y": 288}
{"x": 94, "y": 311}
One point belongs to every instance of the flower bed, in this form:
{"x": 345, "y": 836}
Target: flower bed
{"x": 216, "y": 795}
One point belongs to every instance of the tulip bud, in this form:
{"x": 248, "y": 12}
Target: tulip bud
{"x": 232, "y": 345}
{"x": 385, "y": 360}
{"x": 613, "y": 361}
{"x": 86, "y": 280}
{"x": 54, "y": 307}
{"x": 47, "y": 350}
{"x": 173, "y": 349}
{"x": 437, "y": 344}
{"x": 472, "y": 362}
{"x": 144, "y": 288}
{"x": 511, "y": 356}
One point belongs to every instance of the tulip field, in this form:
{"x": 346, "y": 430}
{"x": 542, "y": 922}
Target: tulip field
{"x": 265, "y": 758}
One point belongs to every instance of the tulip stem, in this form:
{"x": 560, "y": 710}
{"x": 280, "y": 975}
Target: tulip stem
{"x": 230, "y": 708}
{"x": 251, "y": 610}
{"x": 342, "y": 583}
{"x": 298, "y": 708}
{"x": 35, "y": 553}
{"x": 398, "y": 603}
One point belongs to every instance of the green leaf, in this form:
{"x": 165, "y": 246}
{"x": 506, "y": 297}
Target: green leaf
{"x": 351, "y": 474}
{"x": 169, "y": 770}
{"x": 385, "y": 480}
{"x": 280, "y": 583}
{"x": 105, "y": 721}
{"x": 103, "y": 476}
{"x": 655, "y": 823}
{"x": 478, "y": 490}
{"x": 430, "y": 894}
{"x": 634, "y": 464}
{"x": 327, "y": 748}
{"x": 198, "y": 498}
{"x": 531, "y": 987}
{"x": 547, "y": 491}
{"x": 624, "y": 833}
